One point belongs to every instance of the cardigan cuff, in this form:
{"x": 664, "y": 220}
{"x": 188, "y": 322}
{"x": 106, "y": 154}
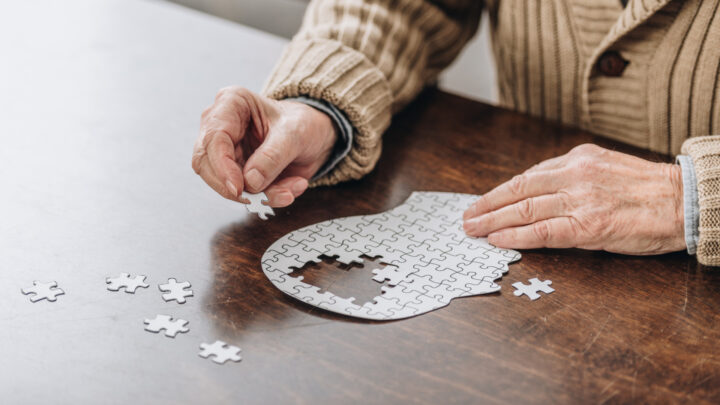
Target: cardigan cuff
{"x": 705, "y": 154}
{"x": 327, "y": 70}
{"x": 345, "y": 133}
{"x": 690, "y": 203}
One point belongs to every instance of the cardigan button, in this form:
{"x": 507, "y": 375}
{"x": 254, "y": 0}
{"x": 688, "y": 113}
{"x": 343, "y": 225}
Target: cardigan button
{"x": 612, "y": 64}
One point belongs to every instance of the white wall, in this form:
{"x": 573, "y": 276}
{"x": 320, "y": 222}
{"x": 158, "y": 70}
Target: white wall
{"x": 473, "y": 72}
{"x": 471, "y": 75}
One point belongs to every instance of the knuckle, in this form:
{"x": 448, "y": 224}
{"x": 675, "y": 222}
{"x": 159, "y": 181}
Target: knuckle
{"x": 196, "y": 162}
{"x": 517, "y": 184}
{"x": 198, "y": 155}
{"x": 224, "y": 92}
{"x": 271, "y": 156}
{"x": 480, "y": 205}
{"x": 541, "y": 230}
{"x": 565, "y": 200}
{"x": 590, "y": 221}
{"x": 570, "y": 171}
{"x": 489, "y": 220}
{"x": 585, "y": 164}
{"x": 586, "y": 149}
{"x": 233, "y": 95}
{"x": 598, "y": 224}
{"x": 215, "y": 134}
{"x": 222, "y": 132}
{"x": 576, "y": 227}
{"x": 230, "y": 90}
{"x": 526, "y": 210}
{"x": 596, "y": 195}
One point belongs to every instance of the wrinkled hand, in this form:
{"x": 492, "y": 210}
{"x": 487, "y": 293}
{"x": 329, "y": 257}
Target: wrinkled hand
{"x": 590, "y": 198}
{"x": 248, "y": 141}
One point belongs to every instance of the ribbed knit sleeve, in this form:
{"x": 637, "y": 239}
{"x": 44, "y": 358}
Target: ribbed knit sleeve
{"x": 370, "y": 58}
{"x": 705, "y": 153}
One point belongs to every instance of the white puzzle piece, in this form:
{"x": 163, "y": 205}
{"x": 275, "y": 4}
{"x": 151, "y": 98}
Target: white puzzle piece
{"x": 166, "y": 322}
{"x": 130, "y": 284}
{"x": 220, "y": 352}
{"x": 175, "y": 291}
{"x": 43, "y": 291}
{"x": 532, "y": 290}
{"x": 428, "y": 258}
{"x": 256, "y": 204}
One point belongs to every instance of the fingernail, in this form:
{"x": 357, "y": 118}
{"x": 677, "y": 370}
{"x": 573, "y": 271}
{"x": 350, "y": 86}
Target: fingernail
{"x": 231, "y": 187}
{"x": 284, "y": 199}
{"x": 254, "y": 179}
{"x": 495, "y": 238}
{"x": 470, "y": 226}
{"x": 469, "y": 213}
{"x": 299, "y": 187}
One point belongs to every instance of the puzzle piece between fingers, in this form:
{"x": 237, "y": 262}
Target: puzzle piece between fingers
{"x": 256, "y": 205}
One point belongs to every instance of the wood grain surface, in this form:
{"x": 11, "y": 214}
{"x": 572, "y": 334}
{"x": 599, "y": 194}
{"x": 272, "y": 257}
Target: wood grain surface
{"x": 98, "y": 123}
{"x": 617, "y": 329}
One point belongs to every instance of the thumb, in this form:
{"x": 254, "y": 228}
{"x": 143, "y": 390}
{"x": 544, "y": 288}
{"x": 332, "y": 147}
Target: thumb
{"x": 268, "y": 161}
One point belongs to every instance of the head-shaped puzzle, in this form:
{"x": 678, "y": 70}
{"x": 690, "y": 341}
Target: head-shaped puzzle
{"x": 429, "y": 258}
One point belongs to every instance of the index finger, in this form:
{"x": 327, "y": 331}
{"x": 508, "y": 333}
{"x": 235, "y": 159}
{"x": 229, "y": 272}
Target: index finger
{"x": 554, "y": 233}
{"x": 223, "y": 126}
{"x": 520, "y": 187}
{"x": 221, "y": 155}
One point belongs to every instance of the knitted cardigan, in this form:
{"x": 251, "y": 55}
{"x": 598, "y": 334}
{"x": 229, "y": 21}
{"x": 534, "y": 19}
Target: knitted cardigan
{"x": 370, "y": 58}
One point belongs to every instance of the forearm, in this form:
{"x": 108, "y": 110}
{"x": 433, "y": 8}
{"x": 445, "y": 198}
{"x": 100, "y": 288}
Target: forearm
{"x": 369, "y": 59}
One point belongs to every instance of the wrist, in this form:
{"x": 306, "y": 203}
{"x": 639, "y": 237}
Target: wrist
{"x": 675, "y": 178}
{"x": 327, "y": 131}
{"x": 319, "y": 130}
{"x": 332, "y": 142}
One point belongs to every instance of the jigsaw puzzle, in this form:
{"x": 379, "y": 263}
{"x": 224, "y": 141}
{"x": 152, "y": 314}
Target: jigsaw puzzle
{"x": 429, "y": 259}
{"x": 256, "y": 204}
{"x": 220, "y": 351}
{"x": 175, "y": 291}
{"x": 43, "y": 291}
{"x": 166, "y": 322}
{"x": 532, "y": 290}
{"x": 130, "y": 284}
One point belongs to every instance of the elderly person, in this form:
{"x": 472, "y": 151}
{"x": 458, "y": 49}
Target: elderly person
{"x": 644, "y": 72}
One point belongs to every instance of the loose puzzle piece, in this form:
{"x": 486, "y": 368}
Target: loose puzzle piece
{"x": 532, "y": 290}
{"x": 165, "y": 322}
{"x": 130, "y": 284}
{"x": 256, "y": 204}
{"x": 43, "y": 291}
{"x": 175, "y": 291}
{"x": 220, "y": 351}
{"x": 428, "y": 260}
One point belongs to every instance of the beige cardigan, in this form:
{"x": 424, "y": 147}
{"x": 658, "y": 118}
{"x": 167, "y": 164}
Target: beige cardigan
{"x": 370, "y": 58}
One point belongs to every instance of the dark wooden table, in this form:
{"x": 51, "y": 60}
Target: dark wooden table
{"x": 96, "y": 180}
